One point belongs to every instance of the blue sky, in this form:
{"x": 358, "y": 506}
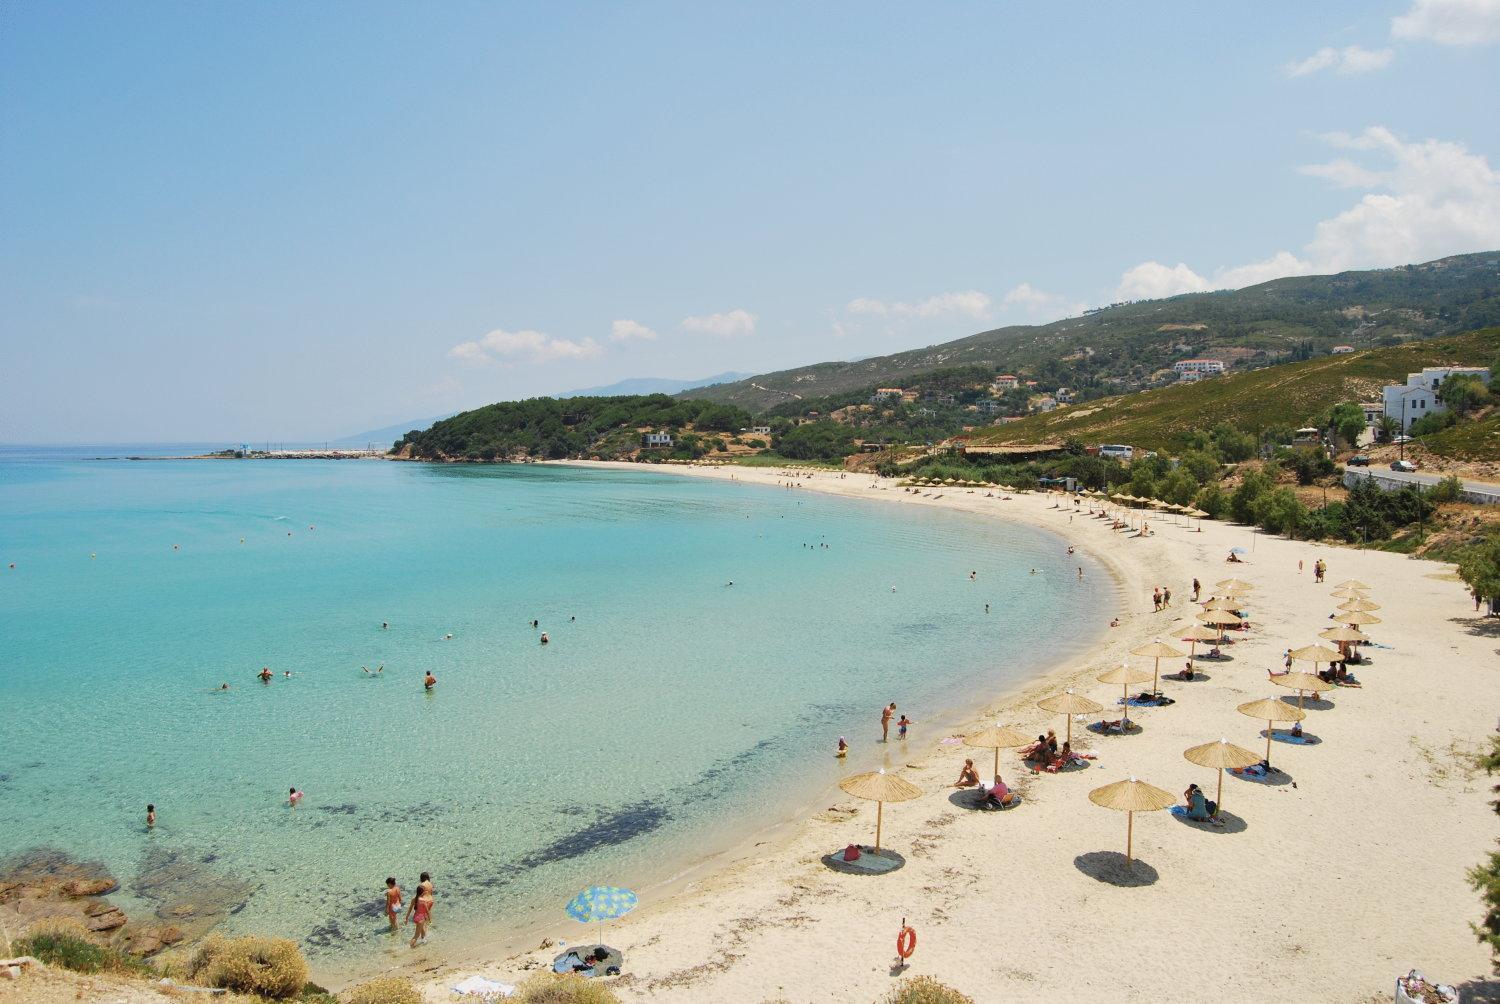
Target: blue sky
{"x": 262, "y": 221}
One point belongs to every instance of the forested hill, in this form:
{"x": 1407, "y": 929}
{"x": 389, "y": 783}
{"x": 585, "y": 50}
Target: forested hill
{"x": 1119, "y": 348}
{"x": 550, "y": 428}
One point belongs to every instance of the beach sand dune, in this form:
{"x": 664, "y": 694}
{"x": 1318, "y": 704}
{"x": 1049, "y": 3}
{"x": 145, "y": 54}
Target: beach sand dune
{"x": 1324, "y": 887}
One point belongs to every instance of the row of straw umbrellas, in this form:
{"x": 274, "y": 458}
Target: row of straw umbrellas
{"x": 1133, "y": 795}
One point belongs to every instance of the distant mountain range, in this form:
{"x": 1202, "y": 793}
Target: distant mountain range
{"x": 635, "y": 385}
{"x": 653, "y": 385}
{"x": 1127, "y": 346}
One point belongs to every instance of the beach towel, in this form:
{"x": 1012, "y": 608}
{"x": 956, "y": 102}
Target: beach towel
{"x": 478, "y": 986}
{"x": 1302, "y": 740}
{"x": 1181, "y": 812}
{"x": 1155, "y": 702}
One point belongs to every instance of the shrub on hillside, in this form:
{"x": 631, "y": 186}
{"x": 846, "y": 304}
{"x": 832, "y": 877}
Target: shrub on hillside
{"x": 66, "y": 943}
{"x": 385, "y": 990}
{"x": 567, "y": 988}
{"x": 925, "y": 990}
{"x": 268, "y": 967}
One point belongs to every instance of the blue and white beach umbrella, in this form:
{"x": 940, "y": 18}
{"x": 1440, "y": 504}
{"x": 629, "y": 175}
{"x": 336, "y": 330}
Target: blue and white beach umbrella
{"x": 601, "y": 903}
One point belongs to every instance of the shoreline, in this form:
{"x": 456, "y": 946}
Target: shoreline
{"x": 954, "y": 718}
{"x": 763, "y": 926}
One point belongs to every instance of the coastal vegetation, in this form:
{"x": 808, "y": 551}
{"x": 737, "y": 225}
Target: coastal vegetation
{"x": 65, "y": 942}
{"x": 1269, "y": 401}
{"x": 1485, "y": 878}
{"x": 564, "y": 988}
{"x": 266, "y": 967}
{"x": 925, "y": 990}
{"x": 547, "y": 428}
{"x": 383, "y": 990}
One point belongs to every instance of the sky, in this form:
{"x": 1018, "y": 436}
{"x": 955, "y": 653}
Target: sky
{"x": 300, "y": 221}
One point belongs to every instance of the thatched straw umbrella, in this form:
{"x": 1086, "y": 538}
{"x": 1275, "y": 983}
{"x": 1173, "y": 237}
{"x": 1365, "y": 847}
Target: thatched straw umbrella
{"x": 1351, "y": 584}
{"x": 1070, "y": 704}
{"x": 1271, "y": 710}
{"x": 1124, "y": 676}
{"x": 1157, "y": 650}
{"x": 1220, "y": 619}
{"x": 1235, "y": 585}
{"x": 1356, "y": 619}
{"x": 1222, "y": 603}
{"x": 1345, "y": 636}
{"x": 997, "y": 738}
{"x": 1361, "y": 605}
{"x": 1130, "y": 797}
{"x": 1301, "y": 683}
{"x": 1220, "y": 755}
{"x": 1197, "y": 633}
{"x": 880, "y": 788}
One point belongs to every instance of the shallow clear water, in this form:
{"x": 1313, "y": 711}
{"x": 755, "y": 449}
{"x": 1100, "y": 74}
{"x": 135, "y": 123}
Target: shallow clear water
{"x": 673, "y": 713}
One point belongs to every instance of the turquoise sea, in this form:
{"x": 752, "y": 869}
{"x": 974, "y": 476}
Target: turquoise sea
{"x": 670, "y": 714}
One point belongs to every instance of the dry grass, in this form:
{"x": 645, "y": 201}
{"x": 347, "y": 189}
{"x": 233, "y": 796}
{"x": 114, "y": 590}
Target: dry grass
{"x": 267, "y": 967}
{"x": 567, "y": 988}
{"x": 385, "y": 990}
{"x": 925, "y": 990}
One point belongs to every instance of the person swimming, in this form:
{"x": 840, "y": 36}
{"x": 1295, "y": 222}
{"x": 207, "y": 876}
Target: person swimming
{"x": 150, "y": 817}
{"x": 429, "y": 681}
{"x": 545, "y": 639}
{"x": 286, "y": 674}
{"x": 264, "y": 674}
{"x": 293, "y": 797}
{"x": 843, "y": 748}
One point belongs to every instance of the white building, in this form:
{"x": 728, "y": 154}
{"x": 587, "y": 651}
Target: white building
{"x": 1004, "y": 382}
{"x": 1044, "y": 404}
{"x": 761, "y": 430}
{"x": 654, "y": 440}
{"x": 1340, "y": 350}
{"x": 886, "y": 394}
{"x": 1405, "y": 403}
{"x": 1373, "y": 411}
{"x": 1202, "y": 367}
{"x": 989, "y": 406}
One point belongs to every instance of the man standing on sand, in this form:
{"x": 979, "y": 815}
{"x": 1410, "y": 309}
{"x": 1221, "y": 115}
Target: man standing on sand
{"x": 886, "y": 714}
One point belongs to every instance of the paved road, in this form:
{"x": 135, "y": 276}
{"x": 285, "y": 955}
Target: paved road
{"x": 1384, "y": 473}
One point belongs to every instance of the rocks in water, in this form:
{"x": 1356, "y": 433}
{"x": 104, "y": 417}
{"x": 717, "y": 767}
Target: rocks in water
{"x": 187, "y": 893}
{"x": 89, "y": 887}
{"x": 107, "y": 919}
{"x": 147, "y": 941}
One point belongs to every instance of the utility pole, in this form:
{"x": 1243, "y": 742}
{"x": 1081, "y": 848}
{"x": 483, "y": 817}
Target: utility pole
{"x": 1402, "y": 435}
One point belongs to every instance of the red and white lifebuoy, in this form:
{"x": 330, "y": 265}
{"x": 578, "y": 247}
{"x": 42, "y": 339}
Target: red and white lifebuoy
{"x": 906, "y": 942}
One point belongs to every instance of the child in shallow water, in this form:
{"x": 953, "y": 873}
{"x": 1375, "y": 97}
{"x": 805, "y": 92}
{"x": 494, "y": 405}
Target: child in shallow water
{"x": 901, "y": 726}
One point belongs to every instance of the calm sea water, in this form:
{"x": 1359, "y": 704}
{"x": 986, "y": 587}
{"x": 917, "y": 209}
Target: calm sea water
{"x": 669, "y": 712}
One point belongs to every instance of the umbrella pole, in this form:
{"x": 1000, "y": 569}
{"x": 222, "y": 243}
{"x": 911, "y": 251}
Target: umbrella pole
{"x": 1069, "y": 720}
{"x": 1219, "y": 802}
{"x": 1156, "y": 676}
{"x": 997, "y": 761}
{"x": 879, "y": 813}
{"x": 1269, "y": 726}
{"x": 1129, "y": 834}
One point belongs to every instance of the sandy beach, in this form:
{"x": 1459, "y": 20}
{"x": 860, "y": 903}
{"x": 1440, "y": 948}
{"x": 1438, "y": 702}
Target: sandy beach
{"x": 1324, "y": 887}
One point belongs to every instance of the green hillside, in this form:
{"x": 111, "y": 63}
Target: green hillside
{"x": 1125, "y": 346}
{"x": 1283, "y": 396}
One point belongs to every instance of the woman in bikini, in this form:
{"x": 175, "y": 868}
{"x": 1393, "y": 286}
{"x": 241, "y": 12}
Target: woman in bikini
{"x": 392, "y": 902}
{"x": 419, "y": 913}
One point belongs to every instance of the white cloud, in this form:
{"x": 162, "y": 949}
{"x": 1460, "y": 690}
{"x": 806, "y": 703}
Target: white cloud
{"x": 965, "y": 303}
{"x": 528, "y": 346}
{"x": 627, "y": 330}
{"x": 1038, "y": 304}
{"x": 1422, "y": 200}
{"x": 1343, "y": 173}
{"x": 1450, "y": 22}
{"x": 1151, "y": 280}
{"x": 1348, "y": 61}
{"x": 733, "y": 324}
